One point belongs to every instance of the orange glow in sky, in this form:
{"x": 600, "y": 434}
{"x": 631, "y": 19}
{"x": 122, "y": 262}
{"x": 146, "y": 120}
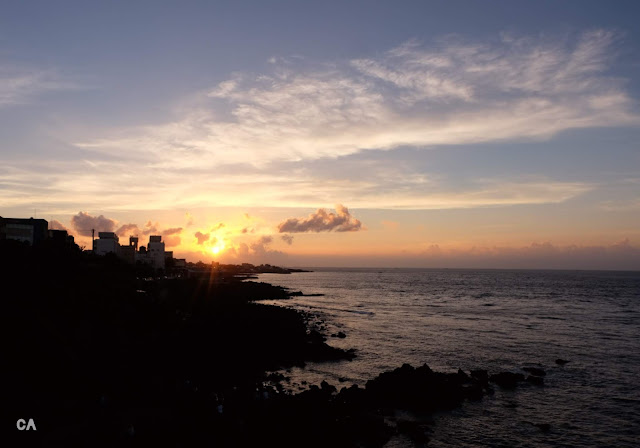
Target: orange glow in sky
{"x": 218, "y": 247}
{"x": 495, "y": 149}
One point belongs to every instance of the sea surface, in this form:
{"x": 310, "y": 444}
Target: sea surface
{"x": 499, "y": 320}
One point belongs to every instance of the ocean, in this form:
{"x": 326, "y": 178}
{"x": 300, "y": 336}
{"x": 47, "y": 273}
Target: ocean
{"x": 499, "y": 320}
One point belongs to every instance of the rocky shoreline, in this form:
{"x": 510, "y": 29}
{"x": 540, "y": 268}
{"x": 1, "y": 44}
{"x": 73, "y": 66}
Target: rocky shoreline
{"x": 103, "y": 358}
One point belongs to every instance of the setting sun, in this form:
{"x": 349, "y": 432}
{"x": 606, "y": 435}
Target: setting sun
{"x": 219, "y": 247}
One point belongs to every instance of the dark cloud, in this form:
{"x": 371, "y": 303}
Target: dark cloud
{"x": 202, "y": 237}
{"x": 261, "y": 246}
{"x": 322, "y": 221}
{"x": 172, "y": 231}
{"x": 243, "y": 251}
{"x": 172, "y": 240}
{"x": 259, "y": 250}
{"x": 128, "y": 230}
{"x": 264, "y": 240}
{"x": 287, "y": 239}
{"x": 150, "y": 228}
{"x": 171, "y": 236}
{"x": 84, "y": 222}
{"x": 56, "y": 225}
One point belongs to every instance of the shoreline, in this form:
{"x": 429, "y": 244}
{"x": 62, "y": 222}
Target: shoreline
{"x": 102, "y": 361}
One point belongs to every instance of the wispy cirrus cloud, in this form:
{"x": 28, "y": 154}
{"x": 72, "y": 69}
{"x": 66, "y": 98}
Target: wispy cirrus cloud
{"x": 251, "y": 139}
{"x": 19, "y": 85}
{"x": 453, "y": 92}
{"x": 370, "y": 185}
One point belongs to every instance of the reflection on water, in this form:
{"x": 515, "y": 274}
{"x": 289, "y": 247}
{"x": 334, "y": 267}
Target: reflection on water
{"x": 497, "y": 320}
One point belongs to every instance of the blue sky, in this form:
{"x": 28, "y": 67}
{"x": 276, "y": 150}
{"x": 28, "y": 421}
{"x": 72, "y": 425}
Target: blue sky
{"x": 427, "y": 113}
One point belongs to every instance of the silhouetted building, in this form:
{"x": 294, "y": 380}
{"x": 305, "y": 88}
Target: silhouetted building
{"x": 133, "y": 241}
{"x": 29, "y": 230}
{"x": 128, "y": 254}
{"x": 156, "y": 252}
{"x": 107, "y": 242}
{"x": 61, "y": 238}
{"x": 153, "y": 254}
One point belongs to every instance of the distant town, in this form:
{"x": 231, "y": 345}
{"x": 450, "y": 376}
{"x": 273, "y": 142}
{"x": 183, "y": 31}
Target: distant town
{"x": 32, "y": 231}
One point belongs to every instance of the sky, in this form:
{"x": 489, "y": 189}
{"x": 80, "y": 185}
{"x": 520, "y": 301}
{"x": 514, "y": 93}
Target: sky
{"x": 457, "y": 134}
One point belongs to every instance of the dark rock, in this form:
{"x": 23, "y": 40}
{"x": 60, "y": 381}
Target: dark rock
{"x": 301, "y": 294}
{"x": 489, "y": 390}
{"x": 506, "y": 380}
{"x": 473, "y": 391}
{"x": 481, "y": 375}
{"x": 543, "y": 426}
{"x": 351, "y": 395}
{"x": 328, "y": 387}
{"x": 275, "y": 377}
{"x": 415, "y": 430}
{"x": 535, "y": 371}
{"x": 561, "y": 362}
{"x": 341, "y": 335}
{"x": 417, "y": 389}
{"x": 537, "y": 380}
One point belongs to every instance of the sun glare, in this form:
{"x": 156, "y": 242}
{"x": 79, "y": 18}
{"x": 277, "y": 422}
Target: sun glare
{"x": 219, "y": 247}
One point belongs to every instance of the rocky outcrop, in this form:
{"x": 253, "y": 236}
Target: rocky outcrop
{"x": 535, "y": 371}
{"x": 507, "y": 380}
